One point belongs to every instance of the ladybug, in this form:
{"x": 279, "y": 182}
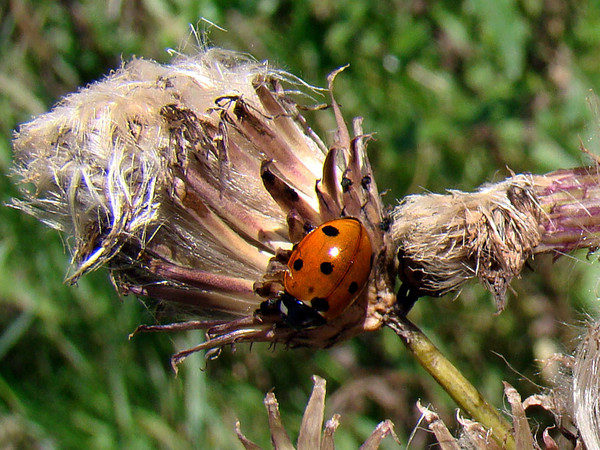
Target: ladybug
{"x": 327, "y": 270}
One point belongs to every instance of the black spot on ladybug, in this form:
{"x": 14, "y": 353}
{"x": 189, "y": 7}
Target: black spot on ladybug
{"x": 353, "y": 288}
{"x": 330, "y": 231}
{"x": 326, "y": 268}
{"x": 320, "y": 304}
{"x": 298, "y": 264}
{"x": 311, "y": 289}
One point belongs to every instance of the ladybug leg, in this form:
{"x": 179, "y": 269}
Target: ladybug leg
{"x": 298, "y": 314}
{"x": 178, "y": 326}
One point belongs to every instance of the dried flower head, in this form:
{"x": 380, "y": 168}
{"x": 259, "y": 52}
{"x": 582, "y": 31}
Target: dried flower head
{"x": 444, "y": 240}
{"x": 473, "y": 434}
{"x": 192, "y": 181}
{"x": 312, "y": 435}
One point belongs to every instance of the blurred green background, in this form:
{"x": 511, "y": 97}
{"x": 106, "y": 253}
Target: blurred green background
{"x": 458, "y": 93}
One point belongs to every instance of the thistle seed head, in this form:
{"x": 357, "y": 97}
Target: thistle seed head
{"x": 192, "y": 181}
{"x": 443, "y": 240}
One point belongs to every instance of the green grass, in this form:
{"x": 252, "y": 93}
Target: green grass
{"x": 456, "y": 94}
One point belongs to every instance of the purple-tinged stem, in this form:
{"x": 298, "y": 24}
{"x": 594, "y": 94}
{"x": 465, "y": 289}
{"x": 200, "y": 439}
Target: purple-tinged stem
{"x": 570, "y": 203}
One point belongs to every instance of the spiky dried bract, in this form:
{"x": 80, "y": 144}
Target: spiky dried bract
{"x": 312, "y": 420}
{"x": 439, "y": 428}
{"x": 521, "y": 428}
{"x": 309, "y": 437}
{"x": 331, "y": 426}
{"x": 192, "y": 181}
{"x": 444, "y": 240}
{"x": 473, "y": 435}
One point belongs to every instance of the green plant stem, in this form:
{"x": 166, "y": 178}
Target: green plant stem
{"x": 452, "y": 381}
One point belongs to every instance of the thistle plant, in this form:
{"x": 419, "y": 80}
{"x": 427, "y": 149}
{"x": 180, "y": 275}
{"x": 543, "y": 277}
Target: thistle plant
{"x": 194, "y": 181}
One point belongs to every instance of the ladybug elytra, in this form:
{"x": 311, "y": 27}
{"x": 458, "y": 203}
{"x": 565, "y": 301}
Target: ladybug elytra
{"x": 327, "y": 270}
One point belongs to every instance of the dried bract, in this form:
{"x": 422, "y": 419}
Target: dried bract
{"x": 473, "y": 435}
{"x": 311, "y": 435}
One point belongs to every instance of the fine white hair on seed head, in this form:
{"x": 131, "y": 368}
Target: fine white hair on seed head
{"x": 586, "y": 387}
{"x": 101, "y": 160}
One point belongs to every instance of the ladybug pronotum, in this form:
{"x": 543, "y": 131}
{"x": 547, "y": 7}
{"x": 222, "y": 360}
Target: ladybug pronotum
{"x": 327, "y": 270}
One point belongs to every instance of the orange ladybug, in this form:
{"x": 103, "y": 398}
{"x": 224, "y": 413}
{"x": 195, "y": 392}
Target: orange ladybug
{"x": 327, "y": 270}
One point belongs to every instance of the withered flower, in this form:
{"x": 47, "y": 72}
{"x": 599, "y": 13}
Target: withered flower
{"x": 473, "y": 435}
{"x": 192, "y": 181}
{"x": 312, "y": 435}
